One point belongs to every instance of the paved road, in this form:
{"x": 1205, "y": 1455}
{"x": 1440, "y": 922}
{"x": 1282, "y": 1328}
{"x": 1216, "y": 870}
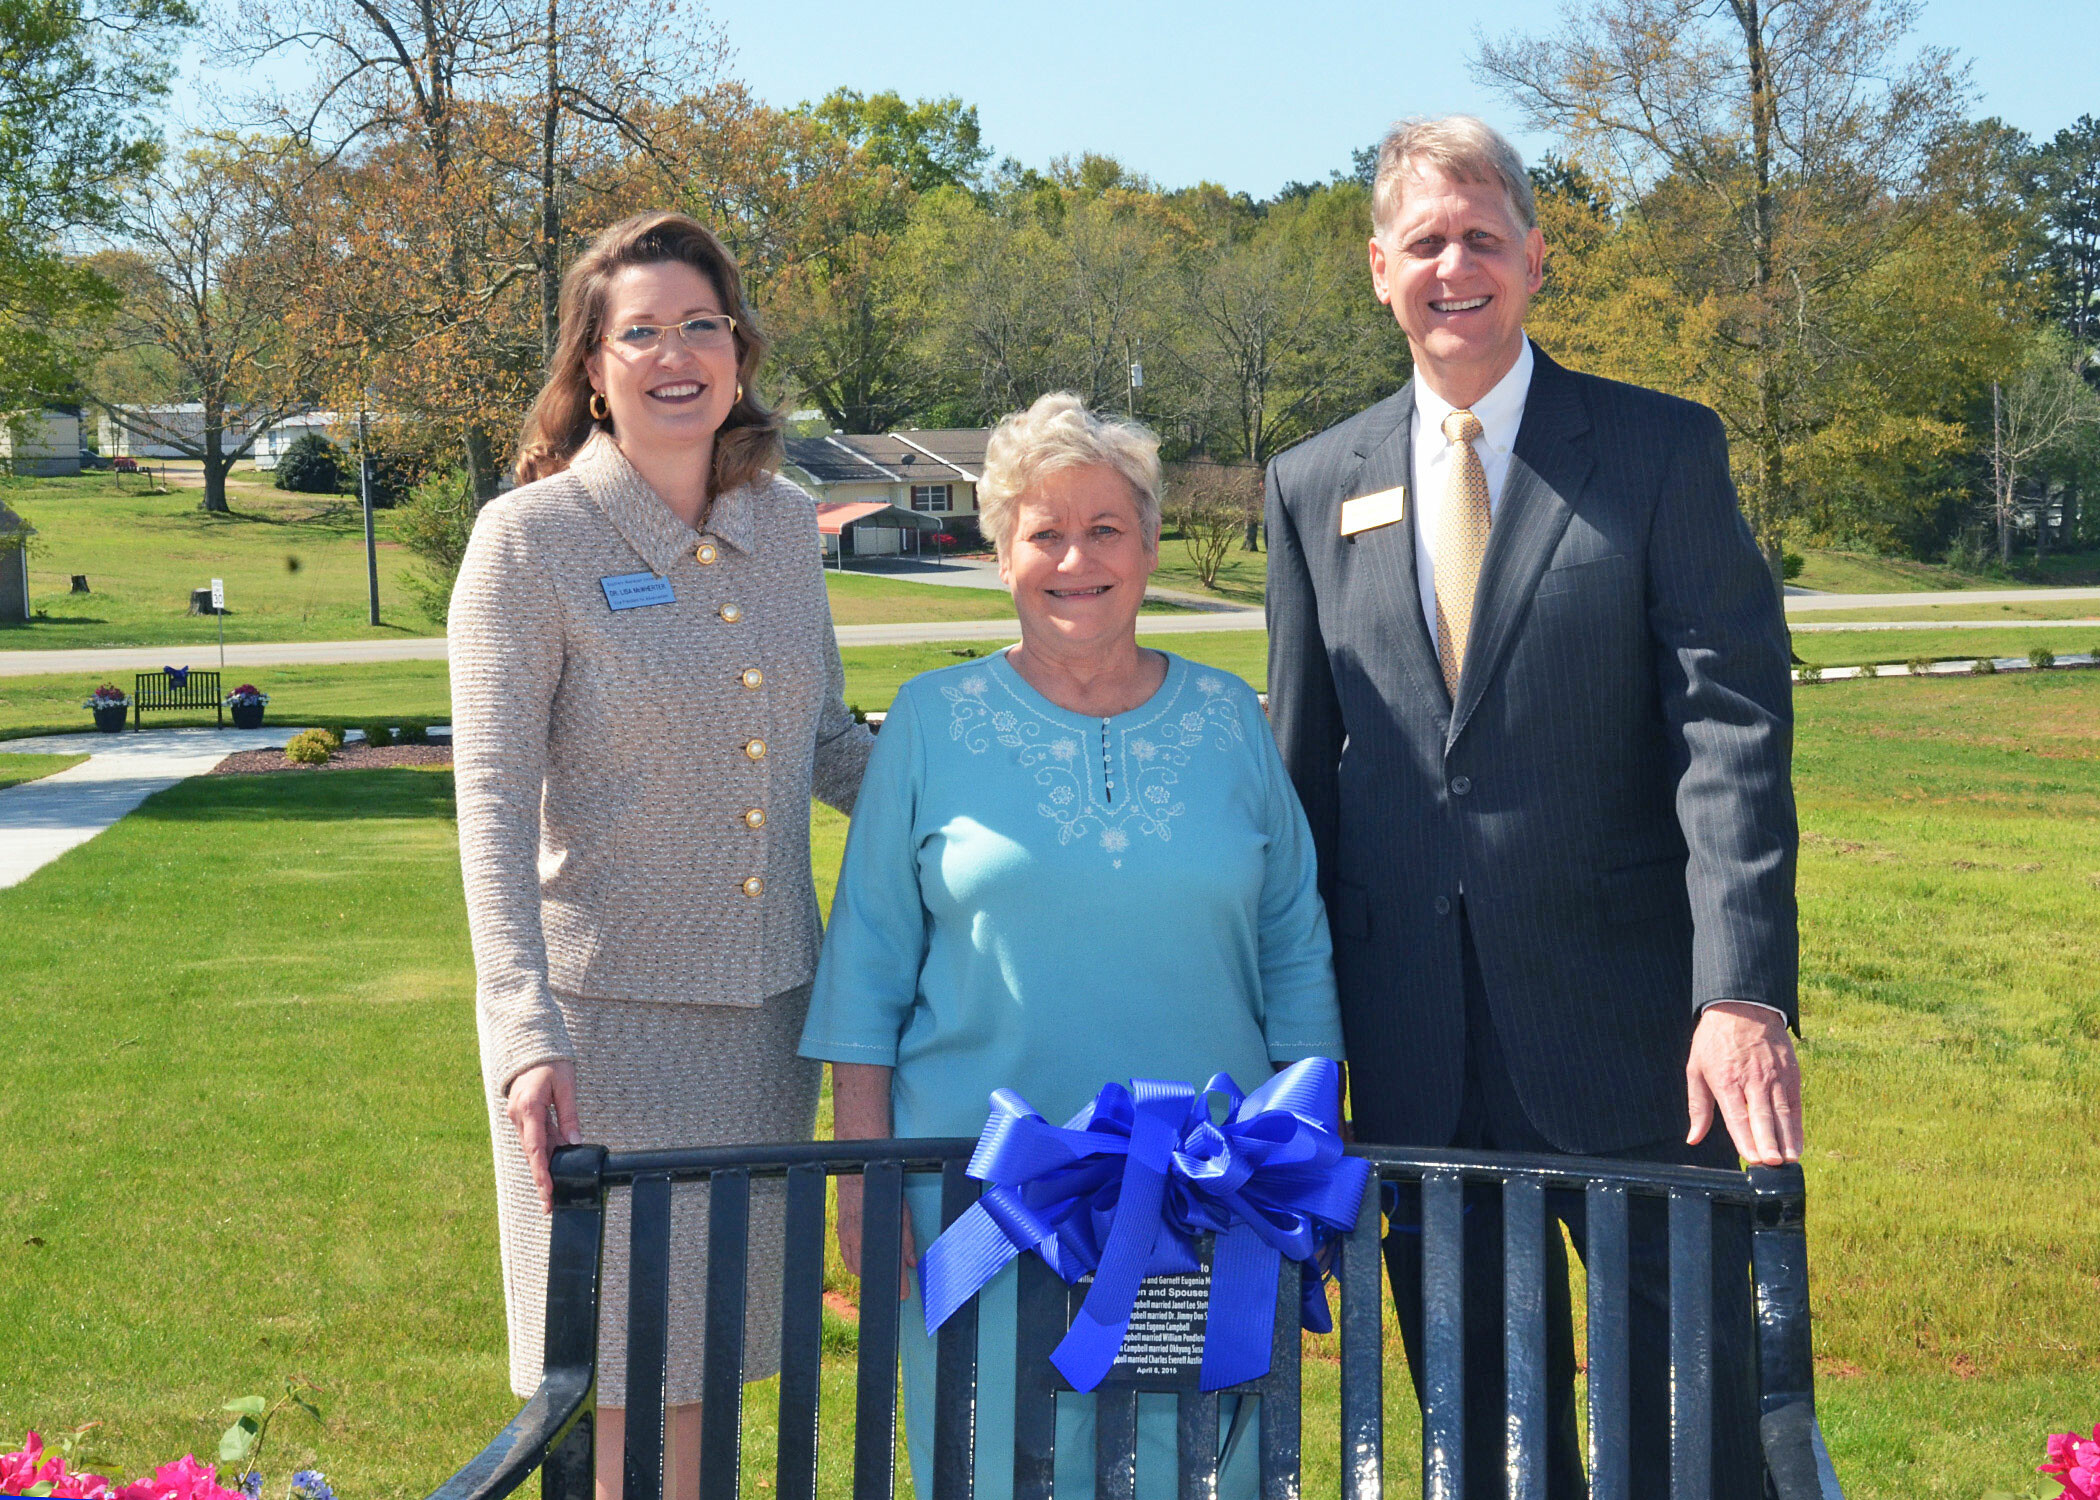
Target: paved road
{"x": 432, "y": 648}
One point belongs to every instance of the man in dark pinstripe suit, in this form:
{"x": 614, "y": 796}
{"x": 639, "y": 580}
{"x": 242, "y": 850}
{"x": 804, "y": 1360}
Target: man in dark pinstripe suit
{"x": 1529, "y": 672}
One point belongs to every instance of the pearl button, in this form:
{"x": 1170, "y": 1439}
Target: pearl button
{"x": 732, "y": 612}
{"x": 754, "y": 887}
{"x": 754, "y": 817}
{"x": 705, "y": 554}
{"x": 756, "y": 749}
{"x": 753, "y": 678}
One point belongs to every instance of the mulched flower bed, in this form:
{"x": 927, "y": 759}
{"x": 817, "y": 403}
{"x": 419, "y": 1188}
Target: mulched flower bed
{"x": 353, "y": 757}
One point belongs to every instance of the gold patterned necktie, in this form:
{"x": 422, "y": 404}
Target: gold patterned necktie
{"x": 1461, "y": 539}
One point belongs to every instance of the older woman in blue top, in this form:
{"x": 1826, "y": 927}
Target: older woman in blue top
{"x": 1074, "y": 862}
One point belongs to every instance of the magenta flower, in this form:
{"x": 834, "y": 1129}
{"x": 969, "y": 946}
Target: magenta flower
{"x": 22, "y": 1470}
{"x": 2074, "y": 1462}
{"x": 185, "y": 1479}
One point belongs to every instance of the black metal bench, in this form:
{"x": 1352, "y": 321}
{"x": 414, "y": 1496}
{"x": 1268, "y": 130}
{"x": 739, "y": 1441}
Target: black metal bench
{"x": 162, "y": 689}
{"x": 552, "y": 1433}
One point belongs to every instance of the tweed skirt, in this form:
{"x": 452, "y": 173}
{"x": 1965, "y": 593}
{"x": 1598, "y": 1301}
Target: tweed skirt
{"x": 652, "y": 1076}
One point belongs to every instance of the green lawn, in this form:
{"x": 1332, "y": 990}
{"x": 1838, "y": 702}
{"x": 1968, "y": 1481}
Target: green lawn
{"x": 245, "y": 1140}
{"x": 16, "y": 769}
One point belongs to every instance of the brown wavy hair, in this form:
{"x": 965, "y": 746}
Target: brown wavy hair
{"x": 747, "y": 445}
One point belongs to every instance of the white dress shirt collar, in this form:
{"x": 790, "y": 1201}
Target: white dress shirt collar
{"x": 1500, "y": 411}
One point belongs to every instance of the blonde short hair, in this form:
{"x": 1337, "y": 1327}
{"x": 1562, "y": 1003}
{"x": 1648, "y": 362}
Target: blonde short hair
{"x": 1463, "y": 149}
{"x": 1058, "y": 432}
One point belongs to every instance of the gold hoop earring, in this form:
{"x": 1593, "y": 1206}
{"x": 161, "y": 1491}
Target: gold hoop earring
{"x": 739, "y": 393}
{"x": 599, "y": 409}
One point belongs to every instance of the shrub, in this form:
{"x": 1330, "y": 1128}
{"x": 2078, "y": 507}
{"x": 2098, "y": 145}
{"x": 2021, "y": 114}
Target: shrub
{"x": 335, "y": 736}
{"x": 1808, "y": 672}
{"x": 1791, "y": 564}
{"x": 2041, "y": 658}
{"x": 1920, "y": 665}
{"x": 412, "y": 734}
{"x": 312, "y": 466}
{"x": 377, "y": 735}
{"x": 1868, "y": 669}
{"x": 435, "y": 523}
{"x": 310, "y": 747}
{"x": 1983, "y": 666}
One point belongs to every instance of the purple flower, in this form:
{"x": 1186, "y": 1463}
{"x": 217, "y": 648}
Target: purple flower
{"x": 251, "y": 1484}
{"x": 313, "y": 1484}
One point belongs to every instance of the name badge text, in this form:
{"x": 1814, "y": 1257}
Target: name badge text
{"x": 634, "y": 590}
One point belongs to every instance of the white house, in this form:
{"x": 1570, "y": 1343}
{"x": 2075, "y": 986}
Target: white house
{"x": 146, "y": 431}
{"x": 41, "y": 442}
{"x": 931, "y": 472}
{"x": 281, "y": 435}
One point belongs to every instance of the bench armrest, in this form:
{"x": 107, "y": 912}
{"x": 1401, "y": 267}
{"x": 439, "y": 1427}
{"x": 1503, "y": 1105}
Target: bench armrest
{"x": 525, "y": 1443}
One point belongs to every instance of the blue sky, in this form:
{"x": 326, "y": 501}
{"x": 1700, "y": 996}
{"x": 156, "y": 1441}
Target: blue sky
{"x": 1257, "y": 95}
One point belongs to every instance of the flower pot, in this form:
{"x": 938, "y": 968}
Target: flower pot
{"x": 111, "y": 720}
{"x": 246, "y": 715}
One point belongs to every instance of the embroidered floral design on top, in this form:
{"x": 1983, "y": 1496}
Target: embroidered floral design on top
{"x": 1127, "y": 784}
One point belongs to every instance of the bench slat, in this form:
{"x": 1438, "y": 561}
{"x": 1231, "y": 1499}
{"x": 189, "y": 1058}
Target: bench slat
{"x": 875, "y": 1402}
{"x": 722, "y": 1374}
{"x": 1443, "y": 1333}
{"x": 1280, "y": 1425}
{"x": 1363, "y": 1354}
{"x": 1524, "y": 1335}
{"x": 1611, "y": 1371}
{"x": 648, "y": 1336}
{"x": 1691, "y": 1345}
{"x": 1041, "y": 1311}
{"x": 1115, "y": 1445}
{"x": 955, "y": 1366}
{"x": 801, "y": 1333}
{"x": 1196, "y": 1444}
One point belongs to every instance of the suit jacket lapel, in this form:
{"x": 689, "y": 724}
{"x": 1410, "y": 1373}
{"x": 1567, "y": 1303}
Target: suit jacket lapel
{"x": 1388, "y": 460}
{"x": 1547, "y": 470}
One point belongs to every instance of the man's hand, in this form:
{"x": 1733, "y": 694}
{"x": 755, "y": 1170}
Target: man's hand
{"x": 549, "y": 1085}
{"x": 1743, "y": 1060}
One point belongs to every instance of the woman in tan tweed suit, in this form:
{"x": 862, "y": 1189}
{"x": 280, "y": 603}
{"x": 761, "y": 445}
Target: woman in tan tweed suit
{"x": 645, "y": 694}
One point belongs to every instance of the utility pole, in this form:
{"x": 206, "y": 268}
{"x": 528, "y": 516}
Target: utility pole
{"x": 364, "y": 489}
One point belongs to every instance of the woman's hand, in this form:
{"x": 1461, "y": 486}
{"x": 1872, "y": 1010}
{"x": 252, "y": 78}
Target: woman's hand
{"x": 548, "y": 1085}
{"x": 860, "y": 1111}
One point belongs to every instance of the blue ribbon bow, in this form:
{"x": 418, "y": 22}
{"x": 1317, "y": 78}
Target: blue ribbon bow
{"x": 177, "y": 676}
{"x": 1126, "y": 1185}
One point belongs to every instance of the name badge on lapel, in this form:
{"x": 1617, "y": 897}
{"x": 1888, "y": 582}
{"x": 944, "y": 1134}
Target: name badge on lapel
{"x": 635, "y": 590}
{"x": 1369, "y": 512}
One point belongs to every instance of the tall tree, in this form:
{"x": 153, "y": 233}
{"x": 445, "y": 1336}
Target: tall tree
{"x": 213, "y": 279}
{"x": 78, "y": 80}
{"x": 1774, "y": 158}
{"x": 2066, "y": 187}
{"x": 2040, "y": 411}
{"x": 1278, "y": 334}
{"x": 453, "y": 137}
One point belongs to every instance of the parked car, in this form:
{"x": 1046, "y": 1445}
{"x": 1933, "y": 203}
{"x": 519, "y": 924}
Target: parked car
{"x": 91, "y": 460}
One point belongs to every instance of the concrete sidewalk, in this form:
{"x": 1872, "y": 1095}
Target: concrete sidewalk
{"x": 40, "y": 820}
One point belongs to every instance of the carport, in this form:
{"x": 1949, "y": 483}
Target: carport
{"x": 870, "y": 528}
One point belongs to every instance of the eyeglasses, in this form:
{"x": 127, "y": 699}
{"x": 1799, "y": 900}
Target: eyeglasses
{"x": 715, "y": 331}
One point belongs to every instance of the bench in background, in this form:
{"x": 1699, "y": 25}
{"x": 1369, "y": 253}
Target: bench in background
{"x": 162, "y": 689}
